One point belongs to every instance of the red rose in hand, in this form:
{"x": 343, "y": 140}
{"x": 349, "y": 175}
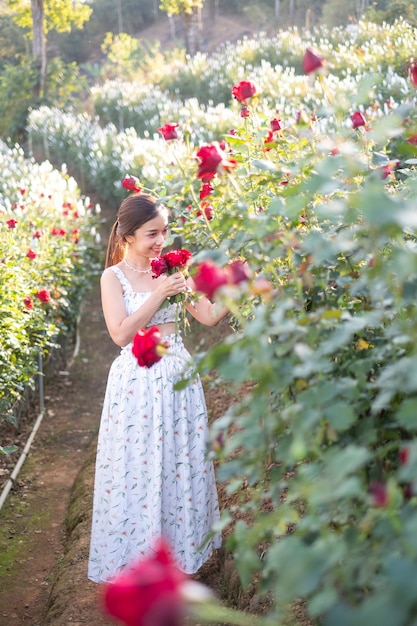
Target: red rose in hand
{"x": 168, "y": 131}
{"x": 148, "y": 593}
{"x": 159, "y": 267}
{"x": 131, "y": 183}
{"x": 176, "y": 259}
{"x": 209, "y": 278}
{"x": 148, "y": 347}
{"x": 357, "y": 119}
{"x": 213, "y": 160}
{"x": 243, "y": 91}
{"x": 311, "y": 62}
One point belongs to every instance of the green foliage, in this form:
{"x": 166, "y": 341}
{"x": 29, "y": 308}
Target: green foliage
{"x": 179, "y": 7}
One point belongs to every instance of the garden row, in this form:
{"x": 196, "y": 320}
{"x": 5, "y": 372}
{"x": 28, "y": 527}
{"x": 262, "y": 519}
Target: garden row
{"x": 48, "y": 257}
{"x": 317, "y": 193}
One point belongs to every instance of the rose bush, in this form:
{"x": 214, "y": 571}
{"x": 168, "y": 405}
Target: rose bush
{"x": 47, "y": 260}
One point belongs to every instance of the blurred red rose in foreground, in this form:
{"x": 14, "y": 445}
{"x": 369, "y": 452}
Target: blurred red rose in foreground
{"x": 148, "y": 346}
{"x": 357, "y": 119}
{"x": 148, "y": 593}
{"x": 209, "y": 277}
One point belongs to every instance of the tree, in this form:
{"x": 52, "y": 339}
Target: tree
{"x": 190, "y": 12}
{"x": 41, "y": 17}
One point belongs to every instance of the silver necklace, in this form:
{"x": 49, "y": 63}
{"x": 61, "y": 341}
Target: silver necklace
{"x": 135, "y": 270}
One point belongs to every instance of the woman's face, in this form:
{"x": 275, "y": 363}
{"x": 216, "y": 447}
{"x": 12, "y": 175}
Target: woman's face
{"x": 148, "y": 240}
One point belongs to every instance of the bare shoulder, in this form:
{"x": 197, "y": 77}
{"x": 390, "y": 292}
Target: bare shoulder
{"x": 109, "y": 279}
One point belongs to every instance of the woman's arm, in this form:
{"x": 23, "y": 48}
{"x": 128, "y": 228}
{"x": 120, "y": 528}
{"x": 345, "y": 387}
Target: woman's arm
{"x": 122, "y": 327}
{"x": 203, "y": 310}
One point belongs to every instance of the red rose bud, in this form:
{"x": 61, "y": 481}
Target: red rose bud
{"x": 148, "y": 347}
{"x": 207, "y": 209}
{"x": 311, "y": 62}
{"x": 412, "y": 73}
{"x": 357, "y": 119}
{"x": 31, "y": 254}
{"x": 404, "y": 455}
{"x": 275, "y": 125}
{"x": 28, "y": 302}
{"x": 244, "y": 111}
{"x": 412, "y": 140}
{"x": 168, "y": 131}
{"x": 379, "y": 494}
{"x": 211, "y": 160}
{"x": 43, "y": 295}
{"x": 11, "y": 223}
{"x": 243, "y": 90}
{"x": 238, "y": 272}
{"x": 206, "y": 190}
{"x": 209, "y": 278}
{"x": 131, "y": 183}
{"x": 148, "y": 593}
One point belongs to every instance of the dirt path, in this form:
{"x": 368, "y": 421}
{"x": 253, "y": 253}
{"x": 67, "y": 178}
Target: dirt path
{"x": 45, "y": 523}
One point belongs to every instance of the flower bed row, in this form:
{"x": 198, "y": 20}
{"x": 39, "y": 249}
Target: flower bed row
{"x": 48, "y": 257}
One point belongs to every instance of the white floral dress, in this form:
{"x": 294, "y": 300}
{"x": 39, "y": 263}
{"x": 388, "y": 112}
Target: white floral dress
{"x": 152, "y": 476}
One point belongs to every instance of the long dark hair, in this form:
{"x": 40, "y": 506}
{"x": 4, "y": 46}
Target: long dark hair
{"x": 134, "y": 212}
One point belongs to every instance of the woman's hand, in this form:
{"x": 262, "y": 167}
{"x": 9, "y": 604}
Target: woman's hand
{"x": 172, "y": 285}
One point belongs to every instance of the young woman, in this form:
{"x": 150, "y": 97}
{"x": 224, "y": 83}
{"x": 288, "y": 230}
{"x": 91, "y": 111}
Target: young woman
{"x": 152, "y": 477}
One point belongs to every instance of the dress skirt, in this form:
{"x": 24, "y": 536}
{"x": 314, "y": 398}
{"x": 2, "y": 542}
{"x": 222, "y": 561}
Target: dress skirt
{"x": 152, "y": 475}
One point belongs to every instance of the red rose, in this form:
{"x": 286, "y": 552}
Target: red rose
{"x": 269, "y": 139}
{"x": 43, "y": 295}
{"x": 311, "y": 62}
{"x": 238, "y": 272}
{"x": 404, "y": 455}
{"x": 205, "y": 190}
{"x": 412, "y": 140}
{"x": 31, "y": 254}
{"x": 11, "y": 223}
{"x": 58, "y": 232}
{"x": 28, "y": 302}
{"x": 244, "y": 111}
{"x": 37, "y": 234}
{"x": 159, "y": 267}
{"x": 209, "y": 278}
{"x": 243, "y": 90}
{"x": 212, "y": 159}
{"x": 148, "y": 347}
{"x": 131, "y": 183}
{"x": 379, "y": 493}
{"x": 176, "y": 258}
{"x": 148, "y": 593}
{"x": 207, "y": 209}
{"x": 412, "y": 73}
{"x": 275, "y": 125}
{"x": 357, "y": 119}
{"x": 168, "y": 131}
